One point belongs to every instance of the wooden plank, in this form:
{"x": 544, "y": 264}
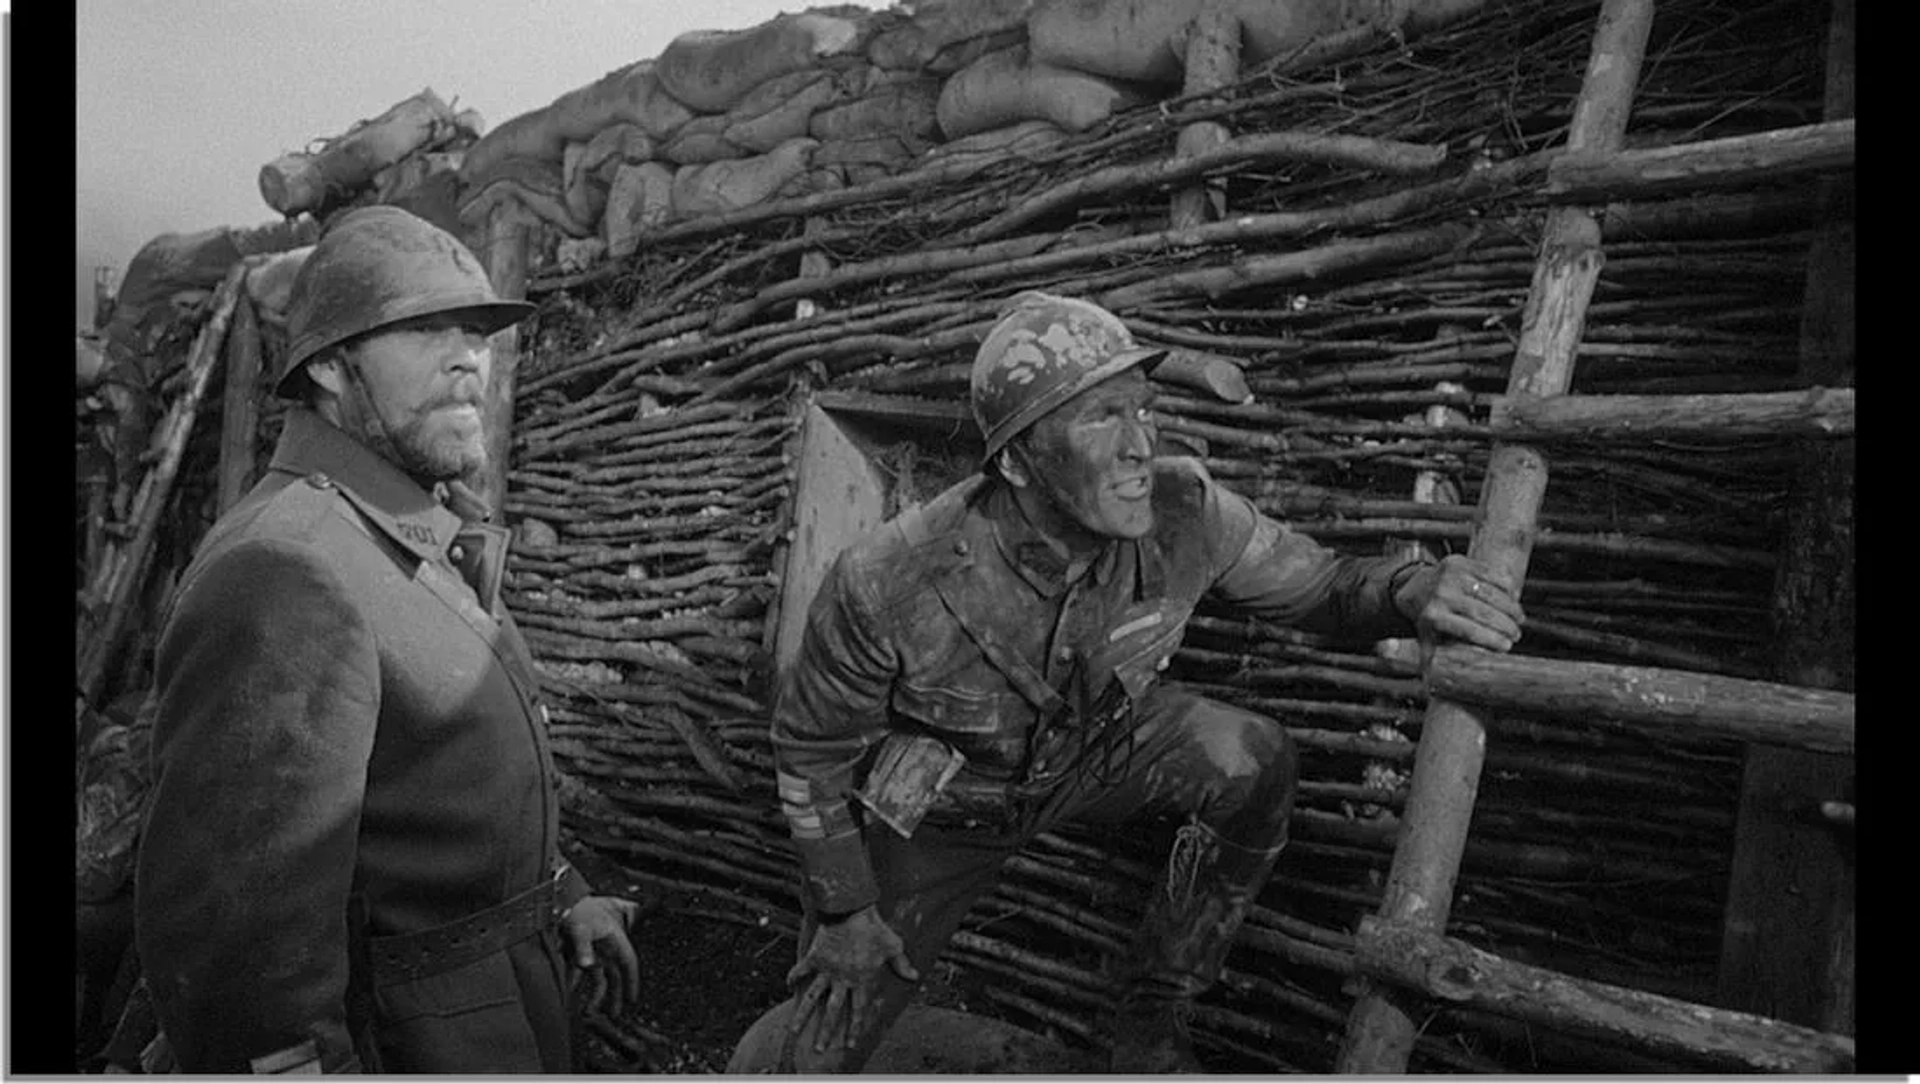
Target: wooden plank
{"x": 1452, "y": 748}
{"x": 1815, "y": 412}
{"x": 506, "y": 262}
{"x": 1648, "y": 697}
{"x": 1460, "y": 974}
{"x": 838, "y": 496}
{"x": 1787, "y": 947}
{"x": 1213, "y": 61}
{"x": 898, "y": 409}
{"x": 1782, "y": 154}
{"x": 240, "y": 406}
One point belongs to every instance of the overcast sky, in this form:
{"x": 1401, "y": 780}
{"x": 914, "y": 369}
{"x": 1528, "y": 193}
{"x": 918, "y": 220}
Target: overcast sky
{"x": 178, "y": 103}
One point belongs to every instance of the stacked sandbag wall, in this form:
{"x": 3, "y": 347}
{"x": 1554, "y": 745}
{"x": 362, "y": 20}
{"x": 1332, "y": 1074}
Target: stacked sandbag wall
{"x": 830, "y": 97}
{"x": 1373, "y": 314}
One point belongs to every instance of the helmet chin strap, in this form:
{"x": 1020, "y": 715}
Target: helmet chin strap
{"x": 374, "y": 429}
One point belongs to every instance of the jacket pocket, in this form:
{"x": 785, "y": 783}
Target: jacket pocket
{"x": 470, "y": 1019}
{"x": 958, "y": 711}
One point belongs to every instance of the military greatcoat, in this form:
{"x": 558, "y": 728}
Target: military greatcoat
{"x": 350, "y": 755}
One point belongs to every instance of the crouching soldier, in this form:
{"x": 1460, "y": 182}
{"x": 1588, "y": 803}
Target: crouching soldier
{"x": 986, "y": 667}
{"x": 350, "y": 858}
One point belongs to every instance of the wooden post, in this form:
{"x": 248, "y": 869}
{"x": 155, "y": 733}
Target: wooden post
{"x": 240, "y": 406}
{"x": 506, "y": 262}
{"x": 1213, "y": 61}
{"x": 1452, "y": 749}
{"x": 123, "y": 585}
{"x": 1787, "y": 949}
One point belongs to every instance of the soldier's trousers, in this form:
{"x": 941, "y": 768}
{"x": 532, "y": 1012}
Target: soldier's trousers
{"x": 1229, "y": 770}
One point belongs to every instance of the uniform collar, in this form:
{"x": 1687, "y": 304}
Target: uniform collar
{"x": 1033, "y": 555}
{"x": 316, "y": 449}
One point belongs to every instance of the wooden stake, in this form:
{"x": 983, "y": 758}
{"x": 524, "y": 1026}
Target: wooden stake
{"x": 1447, "y": 764}
{"x": 240, "y": 406}
{"x": 1788, "y": 943}
{"x": 506, "y": 260}
{"x": 125, "y": 583}
{"x": 1213, "y": 61}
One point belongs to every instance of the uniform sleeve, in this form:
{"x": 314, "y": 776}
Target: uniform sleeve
{"x": 1280, "y": 574}
{"x": 268, "y": 694}
{"x": 830, "y": 709}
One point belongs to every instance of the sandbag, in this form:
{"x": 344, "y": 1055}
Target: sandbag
{"x": 717, "y": 187}
{"x": 712, "y": 70}
{"x": 531, "y": 135}
{"x": 862, "y": 160}
{"x": 294, "y": 183}
{"x": 969, "y": 155}
{"x": 936, "y": 37}
{"x": 535, "y": 183}
{"x": 395, "y": 181}
{"x": 701, "y": 140}
{"x": 630, "y": 95}
{"x": 578, "y": 254}
{"x": 1145, "y": 40}
{"x": 641, "y": 199}
{"x": 269, "y": 283}
{"x": 778, "y": 110}
{"x": 89, "y": 361}
{"x": 1005, "y": 88}
{"x": 587, "y": 169}
{"x": 905, "y": 110}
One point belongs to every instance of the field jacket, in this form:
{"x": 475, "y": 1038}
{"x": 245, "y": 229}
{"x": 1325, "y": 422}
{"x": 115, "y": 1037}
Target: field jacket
{"x": 348, "y": 744}
{"x": 883, "y": 650}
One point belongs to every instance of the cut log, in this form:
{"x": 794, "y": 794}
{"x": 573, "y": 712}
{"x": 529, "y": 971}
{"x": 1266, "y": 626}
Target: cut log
{"x": 1782, "y": 154}
{"x": 1457, "y": 972}
{"x": 1816, "y": 412}
{"x": 1645, "y": 697}
{"x": 296, "y": 183}
{"x": 1211, "y": 374}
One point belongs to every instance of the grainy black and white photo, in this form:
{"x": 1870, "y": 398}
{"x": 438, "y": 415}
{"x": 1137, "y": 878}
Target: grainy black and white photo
{"x": 1027, "y": 537}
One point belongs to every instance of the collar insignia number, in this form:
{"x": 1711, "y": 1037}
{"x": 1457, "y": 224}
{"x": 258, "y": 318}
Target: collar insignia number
{"x": 416, "y": 533}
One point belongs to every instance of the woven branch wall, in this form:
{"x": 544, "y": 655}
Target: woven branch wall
{"x": 1375, "y": 315}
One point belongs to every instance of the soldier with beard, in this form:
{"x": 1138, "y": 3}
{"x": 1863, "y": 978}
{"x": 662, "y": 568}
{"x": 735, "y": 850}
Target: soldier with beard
{"x": 987, "y": 666}
{"x": 350, "y": 858}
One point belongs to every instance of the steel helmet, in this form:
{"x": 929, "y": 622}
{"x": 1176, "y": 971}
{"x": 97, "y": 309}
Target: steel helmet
{"x": 1045, "y": 350}
{"x": 377, "y": 266}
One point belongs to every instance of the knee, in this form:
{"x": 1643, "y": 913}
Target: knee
{"x": 1256, "y": 761}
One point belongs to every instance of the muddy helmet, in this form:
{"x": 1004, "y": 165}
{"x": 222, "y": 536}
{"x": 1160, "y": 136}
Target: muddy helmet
{"x": 378, "y": 266}
{"x": 1044, "y": 351}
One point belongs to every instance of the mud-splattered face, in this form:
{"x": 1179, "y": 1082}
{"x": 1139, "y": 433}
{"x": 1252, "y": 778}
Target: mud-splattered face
{"x": 425, "y": 380}
{"x": 1092, "y": 457}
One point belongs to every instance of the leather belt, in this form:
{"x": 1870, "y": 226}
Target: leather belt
{"x": 408, "y": 956}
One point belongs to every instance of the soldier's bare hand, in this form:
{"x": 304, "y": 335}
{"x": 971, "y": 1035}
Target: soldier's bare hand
{"x": 1466, "y": 600}
{"x": 845, "y": 962}
{"x": 597, "y": 934}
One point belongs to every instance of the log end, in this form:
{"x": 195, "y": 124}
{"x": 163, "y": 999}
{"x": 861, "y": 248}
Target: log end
{"x": 291, "y": 184}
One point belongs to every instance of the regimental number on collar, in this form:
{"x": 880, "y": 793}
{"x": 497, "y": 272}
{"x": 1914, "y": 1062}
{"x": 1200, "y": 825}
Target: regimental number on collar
{"x": 416, "y": 533}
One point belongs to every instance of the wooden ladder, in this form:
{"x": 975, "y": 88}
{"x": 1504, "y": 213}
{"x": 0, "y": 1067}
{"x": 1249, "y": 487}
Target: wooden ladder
{"x": 1402, "y": 955}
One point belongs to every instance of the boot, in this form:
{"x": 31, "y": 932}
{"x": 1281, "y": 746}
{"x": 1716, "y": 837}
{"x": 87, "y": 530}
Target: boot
{"x": 1189, "y": 927}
